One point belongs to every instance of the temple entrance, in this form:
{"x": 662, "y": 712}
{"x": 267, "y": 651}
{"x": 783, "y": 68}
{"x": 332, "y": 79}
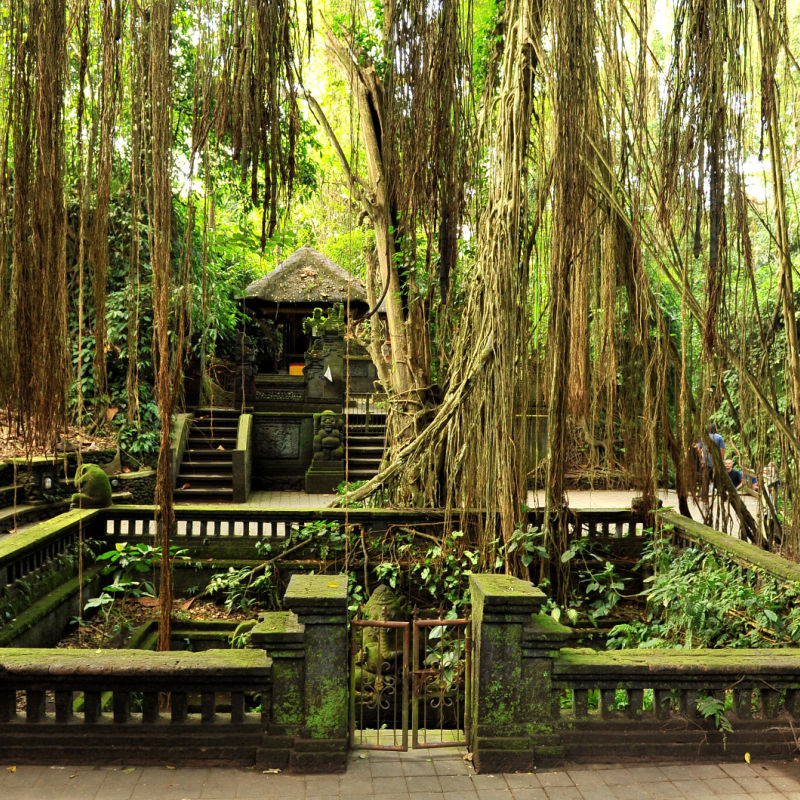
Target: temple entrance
{"x": 409, "y": 677}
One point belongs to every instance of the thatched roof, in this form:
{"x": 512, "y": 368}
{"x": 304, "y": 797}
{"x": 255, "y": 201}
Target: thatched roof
{"x": 307, "y": 276}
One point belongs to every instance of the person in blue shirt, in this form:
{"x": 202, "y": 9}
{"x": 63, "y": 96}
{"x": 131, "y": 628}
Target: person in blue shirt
{"x": 706, "y": 462}
{"x": 734, "y": 474}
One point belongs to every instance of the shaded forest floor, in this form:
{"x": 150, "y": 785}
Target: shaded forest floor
{"x": 12, "y": 443}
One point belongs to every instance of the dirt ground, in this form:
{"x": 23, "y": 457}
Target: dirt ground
{"x": 12, "y": 444}
{"x": 96, "y": 632}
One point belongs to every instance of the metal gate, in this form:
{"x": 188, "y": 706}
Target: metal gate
{"x": 393, "y": 682}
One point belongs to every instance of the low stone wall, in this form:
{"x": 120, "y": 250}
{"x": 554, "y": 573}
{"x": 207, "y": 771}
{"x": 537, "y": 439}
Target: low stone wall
{"x": 141, "y": 485}
{"x": 219, "y": 729}
{"x": 685, "y": 531}
{"x": 282, "y": 703}
{"x": 535, "y": 702}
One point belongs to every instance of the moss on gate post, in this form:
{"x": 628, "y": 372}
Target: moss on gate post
{"x": 512, "y": 707}
{"x": 320, "y": 603}
{"x": 283, "y": 637}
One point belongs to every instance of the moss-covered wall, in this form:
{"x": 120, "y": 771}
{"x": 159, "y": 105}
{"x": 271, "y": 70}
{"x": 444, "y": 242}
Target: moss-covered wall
{"x": 511, "y": 698}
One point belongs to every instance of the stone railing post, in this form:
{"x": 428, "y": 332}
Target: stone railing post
{"x": 283, "y": 637}
{"x": 512, "y": 701}
{"x": 306, "y": 726}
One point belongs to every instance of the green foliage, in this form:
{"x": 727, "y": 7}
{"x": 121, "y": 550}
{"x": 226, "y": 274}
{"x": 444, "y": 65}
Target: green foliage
{"x": 697, "y": 600}
{"x": 530, "y": 543}
{"x": 445, "y": 569}
{"x": 242, "y": 589}
{"x": 713, "y": 708}
{"x": 599, "y": 586}
{"x": 127, "y": 563}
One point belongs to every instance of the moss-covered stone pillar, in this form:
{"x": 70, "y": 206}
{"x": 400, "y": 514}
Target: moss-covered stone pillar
{"x": 282, "y": 635}
{"x": 320, "y": 604}
{"x": 512, "y": 700}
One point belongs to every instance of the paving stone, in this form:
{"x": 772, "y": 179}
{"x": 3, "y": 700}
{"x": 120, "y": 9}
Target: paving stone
{"x": 455, "y": 767}
{"x": 630, "y": 791}
{"x": 548, "y": 779}
{"x": 738, "y": 770}
{"x": 385, "y": 769}
{"x": 563, "y": 793}
{"x": 519, "y": 780}
{"x": 615, "y": 775}
{"x": 768, "y": 796}
{"x": 674, "y": 772}
{"x": 418, "y": 768}
{"x": 736, "y": 796}
{"x": 723, "y": 786}
{"x": 388, "y": 785}
{"x": 646, "y": 774}
{"x": 492, "y": 794}
{"x": 530, "y": 793}
{"x": 423, "y": 783}
{"x": 257, "y": 785}
{"x": 118, "y": 784}
{"x": 422, "y": 775}
{"x": 457, "y": 783}
{"x": 322, "y": 784}
{"x": 691, "y": 788}
{"x": 290, "y": 786}
{"x": 784, "y": 783}
{"x": 488, "y": 781}
{"x": 662, "y": 789}
{"x": 755, "y": 784}
{"x": 706, "y": 771}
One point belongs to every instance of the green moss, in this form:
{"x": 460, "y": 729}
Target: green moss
{"x": 545, "y": 624}
{"x": 631, "y": 664}
{"x": 42, "y": 608}
{"x": 328, "y": 715}
{"x": 279, "y": 622}
{"x": 35, "y": 535}
{"x": 321, "y": 587}
{"x": 734, "y": 549}
{"x": 57, "y": 661}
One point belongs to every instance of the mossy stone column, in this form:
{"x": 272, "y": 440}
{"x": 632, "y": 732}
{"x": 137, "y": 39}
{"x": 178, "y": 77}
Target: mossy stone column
{"x": 320, "y": 603}
{"x": 282, "y": 635}
{"x": 512, "y": 705}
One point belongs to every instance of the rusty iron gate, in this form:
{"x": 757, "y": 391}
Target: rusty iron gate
{"x": 409, "y": 676}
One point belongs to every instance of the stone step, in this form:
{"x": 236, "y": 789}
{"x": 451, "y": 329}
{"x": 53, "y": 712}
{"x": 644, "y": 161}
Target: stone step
{"x": 204, "y": 495}
{"x": 360, "y": 440}
{"x": 208, "y": 456}
{"x": 206, "y": 467}
{"x": 222, "y": 427}
{"x": 216, "y": 413}
{"x": 195, "y": 442}
{"x": 361, "y": 474}
{"x": 193, "y": 478}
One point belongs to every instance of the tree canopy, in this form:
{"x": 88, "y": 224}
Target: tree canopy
{"x": 581, "y": 220}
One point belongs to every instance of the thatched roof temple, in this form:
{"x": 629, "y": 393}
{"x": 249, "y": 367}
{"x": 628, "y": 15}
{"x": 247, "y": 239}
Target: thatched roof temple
{"x": 306, "y": 278}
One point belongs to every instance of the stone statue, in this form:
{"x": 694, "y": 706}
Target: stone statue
{"x": 95, "y": 488}
{"x": 328, "y": 437}
{"x": 380, "y": 656}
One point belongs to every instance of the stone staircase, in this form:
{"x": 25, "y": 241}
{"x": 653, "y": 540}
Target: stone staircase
{"x": 205, "y": 474}
{"x": 366, "y": 441}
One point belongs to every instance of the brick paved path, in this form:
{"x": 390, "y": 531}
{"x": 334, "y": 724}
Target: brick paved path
{"x": 421, "y": 775}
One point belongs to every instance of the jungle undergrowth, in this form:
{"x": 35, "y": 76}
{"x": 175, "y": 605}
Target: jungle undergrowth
{"x": 696, "y": 599}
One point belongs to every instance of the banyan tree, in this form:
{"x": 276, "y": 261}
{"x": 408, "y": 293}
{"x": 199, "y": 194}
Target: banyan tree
{"x": 584, "y": 211}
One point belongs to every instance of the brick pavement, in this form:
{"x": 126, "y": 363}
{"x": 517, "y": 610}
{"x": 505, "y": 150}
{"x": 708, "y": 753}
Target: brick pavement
{"x": 421, "y": 775}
